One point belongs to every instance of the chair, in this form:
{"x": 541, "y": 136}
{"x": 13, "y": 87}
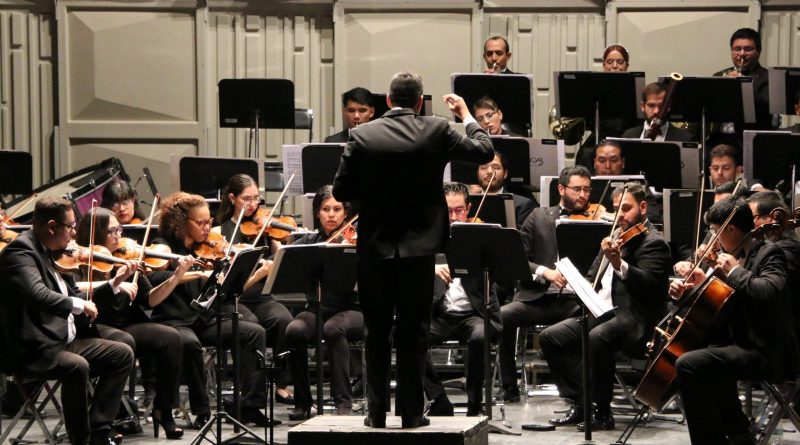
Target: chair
{"x": 778, "y": 401}
{"x": 31, "y": 405}
{"x": 304, "y": 120}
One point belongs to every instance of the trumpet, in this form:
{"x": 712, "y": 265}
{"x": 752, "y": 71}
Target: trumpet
{"x": 736, "y": 71}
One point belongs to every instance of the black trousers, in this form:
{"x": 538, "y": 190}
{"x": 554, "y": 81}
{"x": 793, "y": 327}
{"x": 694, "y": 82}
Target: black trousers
{"x": 549, "y": 309}
{"x": 466, "y": 328}
{"x": 401, "y": 288}
{"x": 158, "y": 345}
{"x": 339, "y": 327}
{"x": 111, "y": 362}
{"x": 274, "y": 318}
{"x": 707, "y": 380}
{"x": 561, "y": 344}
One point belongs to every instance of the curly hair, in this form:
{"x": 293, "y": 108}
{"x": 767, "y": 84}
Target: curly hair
{"x": 175, "y": 214}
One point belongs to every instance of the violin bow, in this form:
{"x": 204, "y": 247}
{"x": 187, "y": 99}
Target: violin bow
{"x": 711, "y": 243}
{"x": 604, "y": 262}
{"x": 342, "y": 229}
{"x": 275, "y": 207}
{"x": 483, "y": 198}
{"x": 19, "y": 209}
{"x": 91, "y": 248}
{"x": 152, "y": 214}
{"x": 699, "y": 212}
{"x": 146, "y": 236}
{"x": 602, "y": 196}
{"x": 236, "y": 230}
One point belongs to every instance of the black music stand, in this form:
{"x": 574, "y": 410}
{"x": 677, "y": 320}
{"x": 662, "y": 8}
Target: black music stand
{"x": 513, "y": 94}
{"x": 256, "y": 104}
{"x": 319, "y": 163}
{"x": 596, "y": 95}
{"x": 236, "y": 272}
{"x": 207, "y": 176}
{"x": 771, "y": 157}
{"x": 497, "y": 254}
{"x": 680, "y": 219}
{"x": 659, "y": 162}
{"x": 310, "y": 268}
{"x": 516, "y": 152}
{"x": 497, "y": 209}
{"x": 580, "y": 241}
{"x": 718, "y": 99}
{"x": 784, "y": 82}
{"x": 16, "y": 173}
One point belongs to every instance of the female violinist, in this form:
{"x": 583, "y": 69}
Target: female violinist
{"x": 121, "y": 198}
{"x": 185, "y": 224}
{"x": 121, "y": 318}
{"x": 242, "y": 192}
{"x": 343, "y": 321}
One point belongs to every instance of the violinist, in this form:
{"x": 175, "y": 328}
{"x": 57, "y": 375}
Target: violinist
{"x": 635, "y": 282}
{"x": 185, "y": 224}
{"x": 121, "y": 318}
{"x": 121, "y": 198}
{"x": 458, "y": 312}
{"x": 343, "y": 321}
{"x": 45, "y": 329}
{"x": 523, "y": 204}
{"x": 756, "y": 342}
{"x": 541, "y": 300}
{"x": 242, "y": 192}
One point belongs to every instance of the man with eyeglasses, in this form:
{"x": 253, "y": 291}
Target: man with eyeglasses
{"x": 652, "y": 100}
{"x": 46, "y": 329}
{"x": 458, "y": 313}
{"x": 541, "y": 299}
{"x": 490, "y": 117}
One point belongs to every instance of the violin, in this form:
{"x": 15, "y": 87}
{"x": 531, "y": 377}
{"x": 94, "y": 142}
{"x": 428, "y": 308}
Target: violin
{"x": 156, "y": 256}
{"x": 630, "y": 234}
{"x": 6, "y": 236}
{"x": 346, "y": 234}
{"x": 74, "y": 257}
{"x": 214, "y": 248}
{"x": 595, "y": 212}
{"x": 279, "y": 227}
{"x": 135, "y": 221}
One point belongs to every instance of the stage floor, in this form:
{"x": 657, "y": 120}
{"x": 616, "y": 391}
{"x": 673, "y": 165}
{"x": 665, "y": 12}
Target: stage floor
{"x": 536, "y": 409}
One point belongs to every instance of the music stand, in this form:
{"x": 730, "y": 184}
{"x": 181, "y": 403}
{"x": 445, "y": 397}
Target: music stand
{"x": 680, "y": 217}
{"x": 718, "y": 99}
{"x": 497, "y": 254}
{"x": 659, "y": 162}
{"x": 770, "y": 156}
{"x": 310, "y": 268}
{"x": 16, "y": 172}
{"x": 513, "y": 94}
{"x": 515, "y": 151}
{"x": 596, "y": 95}
{"x": 497, "y": 209}
{"x": 256, "y": 104}
{"x": 580, "y": 241}
{"x": 207, "y": 176}
{"x": 319, "y": 163}
{"x": 784, "y": 81}
{"x": 236, "y": 272}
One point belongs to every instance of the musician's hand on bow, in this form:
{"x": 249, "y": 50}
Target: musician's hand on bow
{"x": 442, "y": 271}
{"x": 612, "y": 252}
{"x": 90, "y": 310}
{"x": 129, "y": 288}
{"x": 555, "y": 277}
{"x": 682, "y": 268}
{"x": 124, "y": 272}
{"x": 184, "y": 264}
{"x": 726, "y": 262}
{"x": 677, "y": 288}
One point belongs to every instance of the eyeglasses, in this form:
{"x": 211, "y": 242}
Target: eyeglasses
{"x": 486, "y": 117}
{"x": 115, "y": 231}
{"x": 70, "y": 226}
{"x": 615, "y": 62}
{"x": 249, "y": 199}
{"x": 744, "y": 49}
{"x": 579, "y": 189}
{"x": 458, "y": 211}
{"x": 123, "y": 203}
{"x": 202, "y": 222}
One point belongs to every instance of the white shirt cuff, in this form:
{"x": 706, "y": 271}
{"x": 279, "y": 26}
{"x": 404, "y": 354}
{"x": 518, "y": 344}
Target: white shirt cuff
{"x": 77, "y": 305}
{"x": 469, "y": 120}
{"x": 538, "y": 274}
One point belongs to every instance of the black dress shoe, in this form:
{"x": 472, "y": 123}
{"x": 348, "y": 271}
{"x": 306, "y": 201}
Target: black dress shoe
{"x": 254, "y": 415}
{"x": 475, "y": 409}
{"x": 100, "y": 437}
{"x": 600, "y": 422}
{"x": 441, "y": 406}
{"x": 300, "y": 414}
{"x": 286, "y": 400}
{"x": 415, "y": 422}
{"x": 374, "y": 423}
{"x": 573, "y": 416}
{"x": 509, "y": 394}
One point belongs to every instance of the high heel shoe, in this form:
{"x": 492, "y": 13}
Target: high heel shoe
{"x": 164, "y": 418}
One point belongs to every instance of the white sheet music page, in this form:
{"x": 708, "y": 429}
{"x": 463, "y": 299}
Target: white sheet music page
{"x": 596, "y": 305}
{"x": 292, "y": 162}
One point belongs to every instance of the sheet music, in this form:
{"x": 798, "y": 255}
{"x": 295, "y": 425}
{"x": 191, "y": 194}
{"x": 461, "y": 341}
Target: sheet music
{"x": 293, "y": 162}
{"x": 583, "y": 288}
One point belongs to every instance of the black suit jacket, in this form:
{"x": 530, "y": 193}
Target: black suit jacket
{"x": 393, "y": 167}
{"x": 642, "y": 294}
{"x": 761, "y": 317}
{"x": 35, "y": 312}
{"x": 523, "y": 206}
{"x": 539, "y": 240}
{"x": 673, "y": 134}
{"x": 337, "y": 138}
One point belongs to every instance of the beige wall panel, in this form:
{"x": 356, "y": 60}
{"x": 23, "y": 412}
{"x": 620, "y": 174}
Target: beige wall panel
{"x": 781, "y": 38}
{"x": 378, "y": 44}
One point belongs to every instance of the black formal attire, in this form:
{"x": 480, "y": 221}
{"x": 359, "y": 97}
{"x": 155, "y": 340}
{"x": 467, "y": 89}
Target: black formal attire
{"x": 757, "y": 342}
{"x": 609, "y": 128}
{"x": 393, "y": 168}
{"x": 790, "y": 245}
{"x": 342, "y": 322}
{"x": 534, "y": 303}
{"x": 198, "y": 328}
{"x": 38, "y": 313}
{"x": 254, "y": 307}
{"x": 673, "y": 133}
{"x": 467, "y": 327}
{"x": 338, "y": 138}
{"x": 640, "y": 299}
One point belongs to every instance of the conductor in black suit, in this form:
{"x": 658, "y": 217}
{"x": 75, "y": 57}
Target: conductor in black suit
{"x": 393, "y": 168}
{"x": 652, "y": 100}
{"x": 357, "y": 109}
{"x": 634, "y": 280}
{"x": 46, "y": 327}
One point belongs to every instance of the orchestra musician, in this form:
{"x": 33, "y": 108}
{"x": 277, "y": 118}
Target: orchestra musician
{"x": 523, "y": 204}
{"x": 121, "y": 318}
{"x": 756, "y": 341}
{"x": 342, "y": 320}
{"x": 490, "y": 117}
{"x": 242, "y": 192}
{"x": 46, "y": 329}
{"x": 185, "y": 224}
{"x": 357, "y": 109}
{"x": 608, "y": 158}
{"x": 121, "y": 198}
{"x": 541, "y": 300}
{"x": 725, "y": 165}
{"x": 796, "y": 127}
{"x": 458, "y": 312}
{"x": 635, "y": 283}
{"x": 400, "y": 231}
{"x": 496, "y": 54}
{"x": 652, "y": 100}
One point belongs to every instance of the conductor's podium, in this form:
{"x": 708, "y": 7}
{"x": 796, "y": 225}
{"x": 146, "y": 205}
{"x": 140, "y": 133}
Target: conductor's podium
{"x": 350, "y": 430}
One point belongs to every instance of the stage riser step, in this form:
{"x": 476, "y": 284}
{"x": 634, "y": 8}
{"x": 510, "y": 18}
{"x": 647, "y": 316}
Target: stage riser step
{"x": 350, "y": 430}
